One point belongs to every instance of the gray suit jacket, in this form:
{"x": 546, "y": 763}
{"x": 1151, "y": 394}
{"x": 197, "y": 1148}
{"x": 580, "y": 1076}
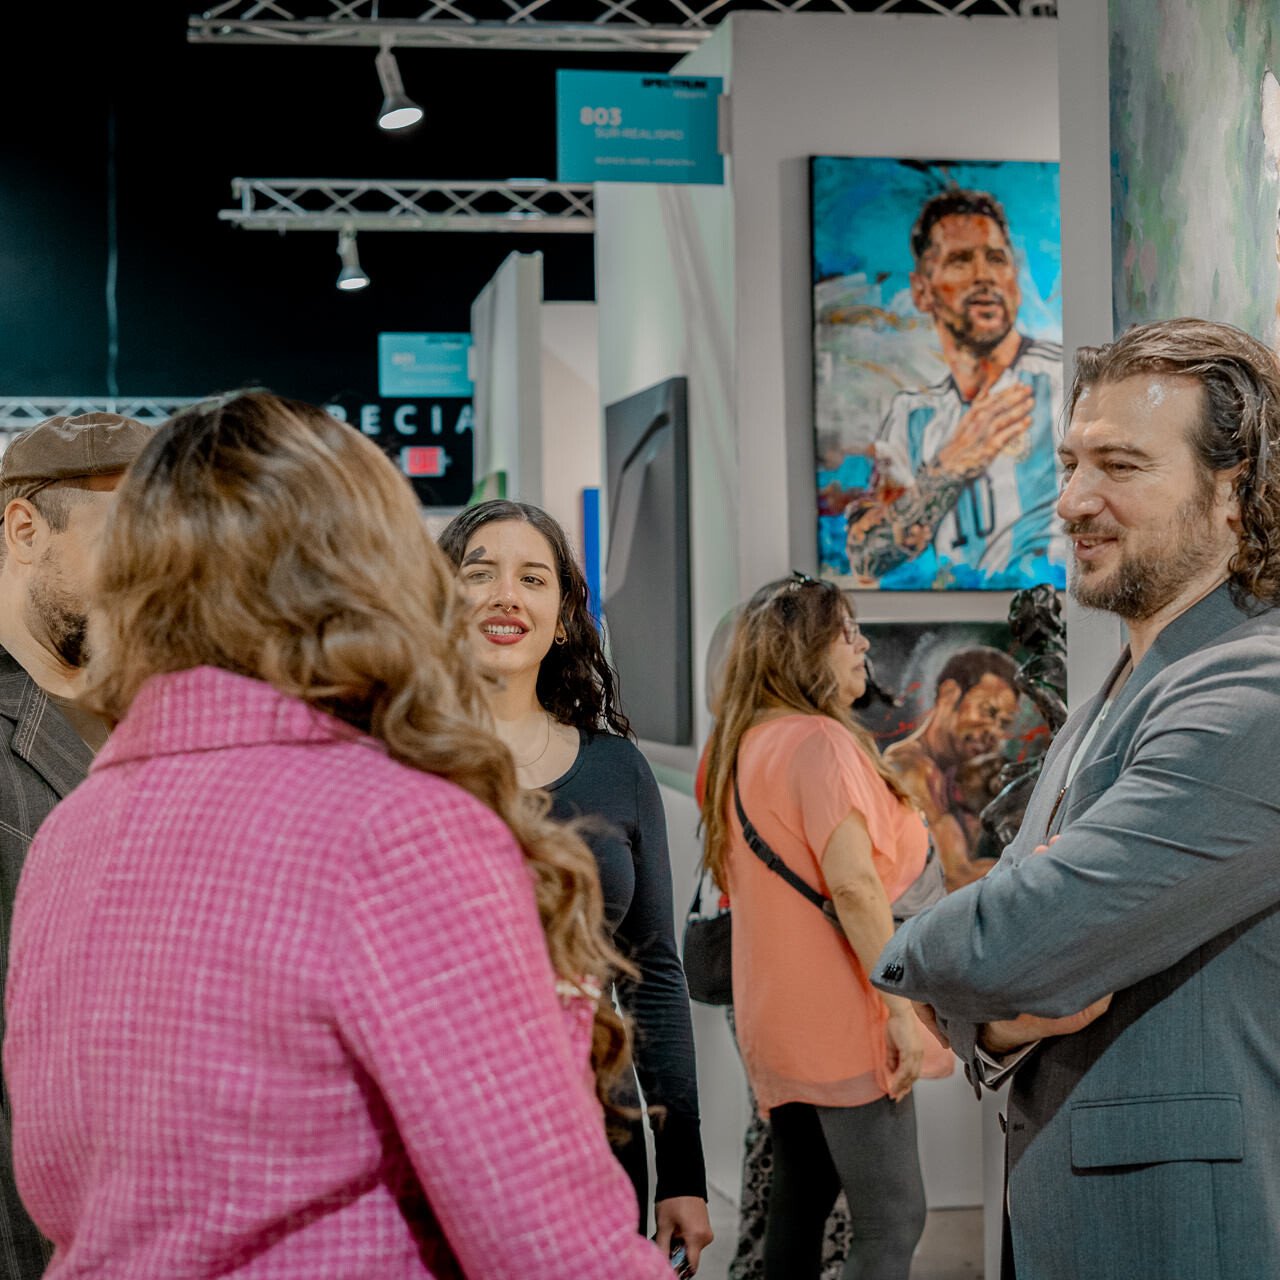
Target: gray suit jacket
{"x": 1147, "y": 1145}
{"x": 41, "y": 758}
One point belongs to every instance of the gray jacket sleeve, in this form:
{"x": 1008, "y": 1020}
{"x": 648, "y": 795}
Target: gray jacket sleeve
{"x": 1168, "y": 842}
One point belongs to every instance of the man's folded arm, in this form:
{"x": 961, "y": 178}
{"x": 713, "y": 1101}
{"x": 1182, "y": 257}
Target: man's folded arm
{"x": 1177, "y": 849}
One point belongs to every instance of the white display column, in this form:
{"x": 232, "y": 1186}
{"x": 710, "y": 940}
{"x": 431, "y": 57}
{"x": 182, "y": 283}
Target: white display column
{"x": 537, "y": 396}
{"x": 507, "y": 368}
{"x": 1094, "y": 639}
{"x": 664, "y": 288}
{"x": 570, "y": 376}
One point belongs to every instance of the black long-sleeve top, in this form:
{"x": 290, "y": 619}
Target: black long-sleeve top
{"x": 611, "y": 785}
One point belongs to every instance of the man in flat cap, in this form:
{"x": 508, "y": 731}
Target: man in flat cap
{"x": 56, "y": 482}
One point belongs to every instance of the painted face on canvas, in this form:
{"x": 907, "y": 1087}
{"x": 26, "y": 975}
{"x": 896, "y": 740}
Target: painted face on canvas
{"x": 967, "y": 280}
{"x": 982, "y": 718}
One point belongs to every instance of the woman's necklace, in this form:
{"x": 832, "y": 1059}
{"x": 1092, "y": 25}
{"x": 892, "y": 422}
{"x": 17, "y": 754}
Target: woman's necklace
{"x": 528, "y": 764}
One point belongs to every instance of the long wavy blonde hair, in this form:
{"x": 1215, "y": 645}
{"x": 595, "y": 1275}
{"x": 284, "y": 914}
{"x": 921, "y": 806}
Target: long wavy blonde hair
{"x": 778, "y": 660}
{"x": 262, "y": 536}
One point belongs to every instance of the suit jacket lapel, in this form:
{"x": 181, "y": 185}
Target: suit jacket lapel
{"x": 42, "y": 735}
{"x": 1213, "y": 616}
{"x": 1048, "y": 821}
{"x": 1204, "y": 622}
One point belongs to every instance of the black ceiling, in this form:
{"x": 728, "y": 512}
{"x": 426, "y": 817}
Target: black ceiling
{"x": 202, "y": 305}
{"x": 103, "y": 92}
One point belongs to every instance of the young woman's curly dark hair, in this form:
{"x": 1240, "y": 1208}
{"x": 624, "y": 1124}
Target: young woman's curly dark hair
{"x": 576, "y": 684}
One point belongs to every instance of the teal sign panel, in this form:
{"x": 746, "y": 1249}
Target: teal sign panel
{"x": 423, "y": 365}
{"x": 625, "y": 126}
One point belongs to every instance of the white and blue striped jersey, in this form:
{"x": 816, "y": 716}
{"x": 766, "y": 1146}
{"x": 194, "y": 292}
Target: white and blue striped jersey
{"x": 1004, "y": 532}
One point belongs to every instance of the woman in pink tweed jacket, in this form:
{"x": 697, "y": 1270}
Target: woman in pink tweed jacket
{"x": 281, "y": 1002}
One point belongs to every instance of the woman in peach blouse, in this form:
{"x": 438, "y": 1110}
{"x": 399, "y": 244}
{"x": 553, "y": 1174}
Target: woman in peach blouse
{"x": 831, "y": 1060}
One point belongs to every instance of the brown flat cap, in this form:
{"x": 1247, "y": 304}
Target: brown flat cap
{"x": 92, "y": 444}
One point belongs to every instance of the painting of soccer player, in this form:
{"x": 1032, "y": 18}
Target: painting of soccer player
{"x": 952, "y": 484}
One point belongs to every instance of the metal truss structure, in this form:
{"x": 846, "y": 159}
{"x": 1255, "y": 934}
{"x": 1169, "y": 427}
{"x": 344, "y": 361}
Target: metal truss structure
{"x": 584, "y": 26}
{"x": 17, "y": 413}
{"x": 342, "y": 204}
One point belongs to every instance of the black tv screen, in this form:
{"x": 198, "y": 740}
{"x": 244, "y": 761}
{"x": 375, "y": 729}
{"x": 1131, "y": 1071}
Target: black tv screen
{"x": 646, "y": 582}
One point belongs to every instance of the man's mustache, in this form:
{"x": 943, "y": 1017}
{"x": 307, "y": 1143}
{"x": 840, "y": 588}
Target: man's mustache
{"x": 1088, "y": 529}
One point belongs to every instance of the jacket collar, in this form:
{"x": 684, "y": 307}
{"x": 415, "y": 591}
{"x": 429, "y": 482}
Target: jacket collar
{"x": 41, "y": 735}
{"x": 208, "y": 709}
{"x": 1201, "y": 624}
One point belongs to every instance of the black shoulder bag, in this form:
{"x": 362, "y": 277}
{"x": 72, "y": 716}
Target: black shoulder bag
{"x": 706, "y": 951}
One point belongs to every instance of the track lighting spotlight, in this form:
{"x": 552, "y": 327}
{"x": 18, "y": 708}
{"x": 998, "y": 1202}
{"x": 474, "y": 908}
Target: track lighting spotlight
{"x": 352, "y": 276}
{"x": 398, "y": 111}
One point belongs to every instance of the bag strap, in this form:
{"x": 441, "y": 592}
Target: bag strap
{"x": 757, "y": 844}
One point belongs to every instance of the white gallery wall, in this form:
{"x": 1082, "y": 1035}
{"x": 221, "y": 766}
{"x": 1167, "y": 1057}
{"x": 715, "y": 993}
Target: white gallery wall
{"x": 570, "y": 391}
{"x": 537, "y": 394}
{"x": 506, "y": 366}
{"x": 1095, "y": 639}
{"x": 664, "y": 290}
{"x": 713, "y": 283}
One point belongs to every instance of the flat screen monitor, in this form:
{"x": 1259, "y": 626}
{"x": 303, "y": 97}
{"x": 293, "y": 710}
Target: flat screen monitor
{"x": 647, "y": 605}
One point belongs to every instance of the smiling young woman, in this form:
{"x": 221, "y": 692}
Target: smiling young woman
{"x": 554, "y": 702}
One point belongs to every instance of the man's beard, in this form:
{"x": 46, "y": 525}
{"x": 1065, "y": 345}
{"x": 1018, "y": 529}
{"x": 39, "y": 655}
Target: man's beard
{"x": 59, "y": 619}
{"x": 1142, "y": 583}
{"x": 961, "y": 326}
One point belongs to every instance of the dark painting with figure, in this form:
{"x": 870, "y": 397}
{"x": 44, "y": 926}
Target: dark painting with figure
{"x": 937, "y": 320}
{"x": 953, "y": 718}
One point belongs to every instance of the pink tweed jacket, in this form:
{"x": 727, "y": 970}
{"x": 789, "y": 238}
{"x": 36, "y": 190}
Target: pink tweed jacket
{"x": 280, "y": 1007}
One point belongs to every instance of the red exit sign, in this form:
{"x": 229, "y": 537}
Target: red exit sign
{"x": 423, "y": 460}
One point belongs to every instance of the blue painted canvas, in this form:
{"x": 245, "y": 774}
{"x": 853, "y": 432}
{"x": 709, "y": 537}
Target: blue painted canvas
{"x": 937, "y": 321}
{"x": 1195, "y": 171}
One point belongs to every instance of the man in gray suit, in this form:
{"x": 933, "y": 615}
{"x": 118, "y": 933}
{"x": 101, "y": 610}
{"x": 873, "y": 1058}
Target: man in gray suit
{"x": 1127, "y": 945}
{"x": 55, "y": 486}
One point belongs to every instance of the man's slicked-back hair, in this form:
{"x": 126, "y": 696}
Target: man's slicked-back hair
{"x": 950, "y": 203}
{"x": 1238, "y": 427}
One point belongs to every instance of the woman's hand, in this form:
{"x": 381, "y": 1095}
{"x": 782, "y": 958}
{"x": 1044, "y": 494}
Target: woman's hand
{"x": 684, "y": 1218}
{"x": 902, "y": 1034}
